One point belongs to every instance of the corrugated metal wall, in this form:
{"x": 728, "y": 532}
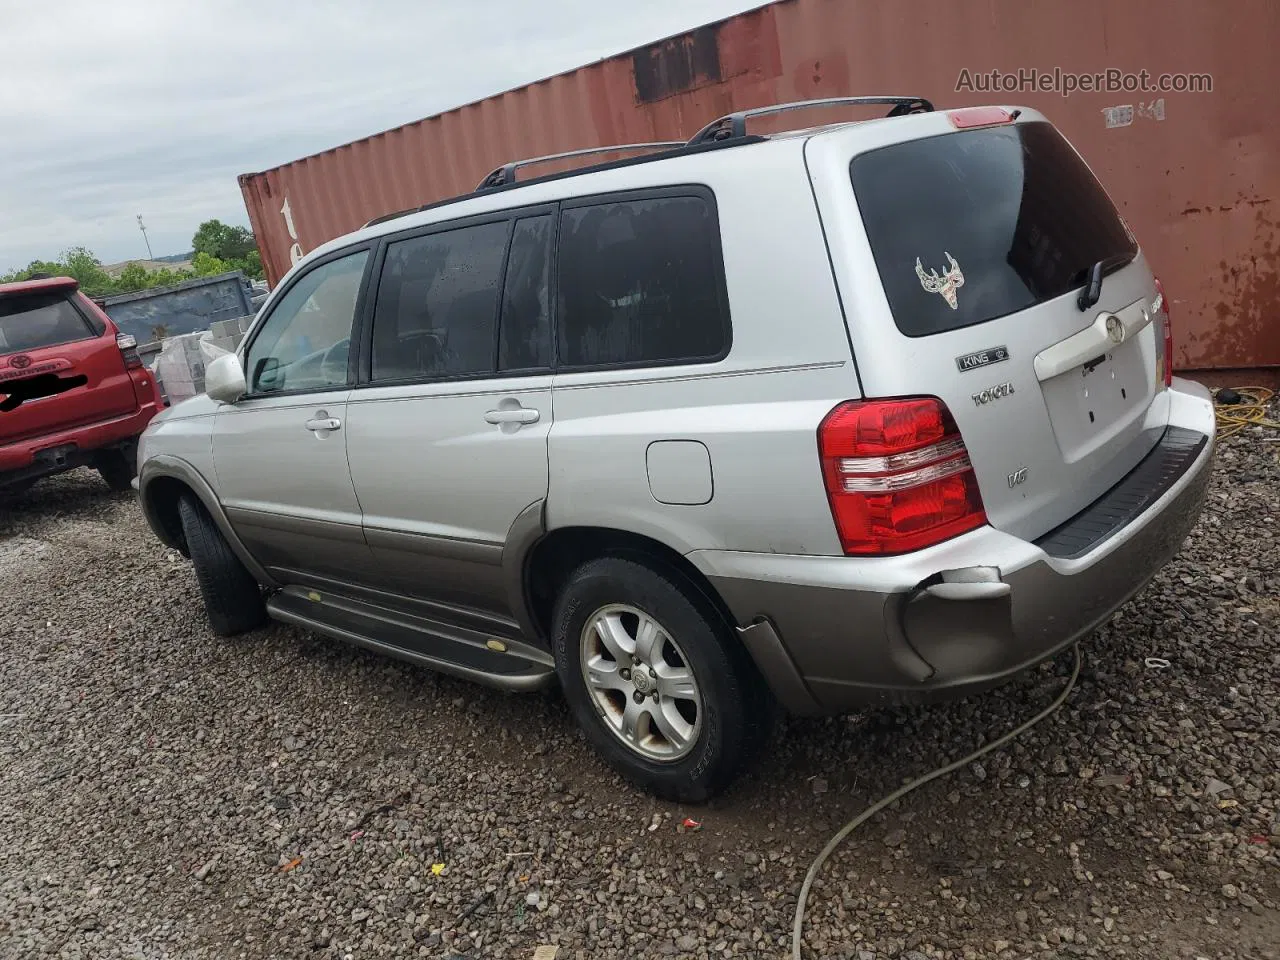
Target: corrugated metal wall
{"x": 1196, "y": 174}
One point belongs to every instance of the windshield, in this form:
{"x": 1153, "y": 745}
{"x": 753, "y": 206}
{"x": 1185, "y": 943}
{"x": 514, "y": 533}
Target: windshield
{"x": 970, "y": 226}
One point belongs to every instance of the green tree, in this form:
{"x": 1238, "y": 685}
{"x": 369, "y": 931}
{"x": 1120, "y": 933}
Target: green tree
{"x": 76, "y": 262}
{"x": 206, "y": 266}
{"x": 132, "y": 278}
{"x": 32, "y": 268}
{"x": 252, "y": 265}
{"x": 81, "y": 264}
{"x": 167, "y": 278}
{"x": 86, "y": 268}
{"x": 222, "y": 241}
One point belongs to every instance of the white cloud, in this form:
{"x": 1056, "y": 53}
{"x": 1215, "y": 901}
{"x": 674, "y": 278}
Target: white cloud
{"x": 108, "y": 110}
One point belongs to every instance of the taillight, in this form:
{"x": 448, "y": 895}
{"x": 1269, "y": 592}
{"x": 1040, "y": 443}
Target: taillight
{"x": 1166, "y": 328}
{"x": 128, "y": 345}
{"x": 898, "y": 475}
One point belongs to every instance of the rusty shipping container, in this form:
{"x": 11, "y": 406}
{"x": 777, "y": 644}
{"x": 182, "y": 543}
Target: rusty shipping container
{"x": 1197, "y": 174}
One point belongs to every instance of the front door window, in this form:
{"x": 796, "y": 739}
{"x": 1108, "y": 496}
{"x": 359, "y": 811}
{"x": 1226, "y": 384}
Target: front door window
{"x": 305, "y": 343}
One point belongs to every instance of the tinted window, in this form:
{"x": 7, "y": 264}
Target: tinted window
{"x": 524, "y": 340}
{"x": 306, "y": 341}
{"x": 1000, "y": 219}
{"x": 37, "y": 320}
{"x": 640, "y": 282}
{"x": 437, "y": 304}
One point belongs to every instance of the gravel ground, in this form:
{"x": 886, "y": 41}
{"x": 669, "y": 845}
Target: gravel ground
{"x": 164, "y": 793}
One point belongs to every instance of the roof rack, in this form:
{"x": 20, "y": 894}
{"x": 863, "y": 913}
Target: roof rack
{"x": 505, "y": 174}
{"x": 734, "y": 125}
{"x": 714, "y": 134}
{"x": 391, "y": 216}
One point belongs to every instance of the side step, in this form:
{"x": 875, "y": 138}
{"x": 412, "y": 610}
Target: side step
{"x": 491, "y": 661}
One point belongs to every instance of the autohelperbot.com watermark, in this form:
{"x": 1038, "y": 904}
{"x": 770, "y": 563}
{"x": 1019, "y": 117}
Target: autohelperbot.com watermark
{"x": 1066, "y": 82}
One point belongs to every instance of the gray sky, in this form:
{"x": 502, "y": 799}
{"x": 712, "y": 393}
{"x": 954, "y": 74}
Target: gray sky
{"x": 111, "y": 109}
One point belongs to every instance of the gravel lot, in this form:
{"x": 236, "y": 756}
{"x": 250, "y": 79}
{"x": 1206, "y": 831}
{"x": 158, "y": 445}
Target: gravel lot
{"x": 167, "y": 794}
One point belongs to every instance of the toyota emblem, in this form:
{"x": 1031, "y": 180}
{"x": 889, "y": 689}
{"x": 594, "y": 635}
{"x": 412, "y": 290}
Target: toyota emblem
{"x": 21, "y": 361}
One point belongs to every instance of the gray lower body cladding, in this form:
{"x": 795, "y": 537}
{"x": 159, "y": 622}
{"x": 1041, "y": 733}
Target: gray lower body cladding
{"x": 827, "y": 649}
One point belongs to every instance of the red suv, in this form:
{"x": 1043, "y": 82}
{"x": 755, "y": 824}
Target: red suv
{"x": 73, "y": 390}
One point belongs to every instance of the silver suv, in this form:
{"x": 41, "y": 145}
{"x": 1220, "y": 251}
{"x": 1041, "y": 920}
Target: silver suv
{"x": 858, "y": 413}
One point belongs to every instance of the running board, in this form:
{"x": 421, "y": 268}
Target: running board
{"x": 492, "y": 661}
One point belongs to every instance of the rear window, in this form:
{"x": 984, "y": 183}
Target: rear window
{"x": 971, "y": 226}
{"x": 32, "y": 321}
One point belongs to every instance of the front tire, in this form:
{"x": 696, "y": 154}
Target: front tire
{"x": 656, "y": 680}
{"x": 232, "y": 597}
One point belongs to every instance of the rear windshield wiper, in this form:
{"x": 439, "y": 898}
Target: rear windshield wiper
{"x": 1092, "y": 291}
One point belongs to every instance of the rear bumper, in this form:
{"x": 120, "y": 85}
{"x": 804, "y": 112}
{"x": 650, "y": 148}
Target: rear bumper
{"x": 53, "y": 453}
{"x": 835, "y": 633}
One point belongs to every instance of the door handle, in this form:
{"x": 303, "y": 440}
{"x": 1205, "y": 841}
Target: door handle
{"x": 320, "y": 424}
{"x": 512, "y": 415}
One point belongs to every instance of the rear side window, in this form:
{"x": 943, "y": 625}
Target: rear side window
{"x": 437, "y": 307}
{"x": 36, "y": 320}
{"x": 641, "y": 282}
{"x": 971, "y": 226}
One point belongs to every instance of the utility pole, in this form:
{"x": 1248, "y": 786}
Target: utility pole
{"x": 143, "y": 227}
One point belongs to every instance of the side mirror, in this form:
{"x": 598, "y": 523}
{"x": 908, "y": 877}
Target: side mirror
{"x": 224, "y": 379}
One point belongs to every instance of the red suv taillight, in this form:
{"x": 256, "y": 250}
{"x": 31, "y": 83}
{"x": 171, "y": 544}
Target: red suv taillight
{"x": 128, "y": 345}
{"x": 1166, "y": 328}
{"x": 898, "y": 475}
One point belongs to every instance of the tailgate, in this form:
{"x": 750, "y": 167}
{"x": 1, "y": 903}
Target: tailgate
{"x": 56, "y": 370}
{"x": 969, "y": 250}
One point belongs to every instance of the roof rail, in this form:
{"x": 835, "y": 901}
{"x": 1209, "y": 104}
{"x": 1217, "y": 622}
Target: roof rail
{"x": 505, "y": 174}
{"x": 391, "y": 216}
{"x": 734, "y": 125}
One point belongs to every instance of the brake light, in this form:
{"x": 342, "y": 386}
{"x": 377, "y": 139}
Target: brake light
{"x": 967, "y": 118}
{"x": 1166, "y": 328}
{"x": 898, "y": 475}
{"x": 128, "y": 345}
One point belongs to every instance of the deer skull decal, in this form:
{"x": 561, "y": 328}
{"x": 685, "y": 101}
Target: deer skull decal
{"x": 947, "y": 284}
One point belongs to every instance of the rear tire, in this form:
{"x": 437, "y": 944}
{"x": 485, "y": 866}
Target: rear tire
{"x": 232, "y": 597}
{"x": 117, "y": 467}
{"x": 683, "y": 741}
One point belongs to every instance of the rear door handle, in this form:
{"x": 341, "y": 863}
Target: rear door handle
{"x": 512, "y": 415}
{"x": 320, "y": 424}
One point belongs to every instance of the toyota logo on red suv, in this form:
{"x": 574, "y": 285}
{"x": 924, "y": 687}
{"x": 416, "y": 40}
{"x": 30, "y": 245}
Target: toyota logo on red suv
{"x": 21, "y": 361}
